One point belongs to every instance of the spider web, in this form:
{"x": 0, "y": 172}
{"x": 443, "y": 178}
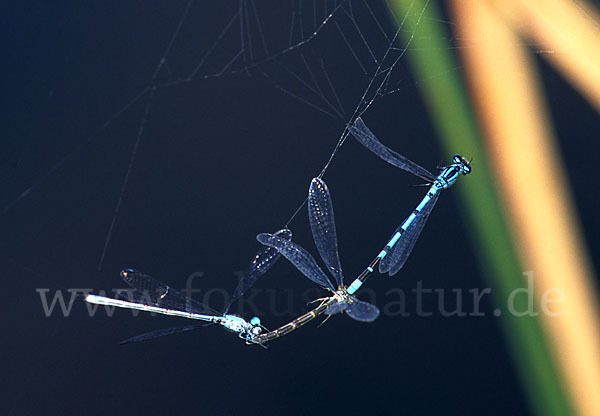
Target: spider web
{"x": 286, "y": 45}
{"x": 290, "y": 54}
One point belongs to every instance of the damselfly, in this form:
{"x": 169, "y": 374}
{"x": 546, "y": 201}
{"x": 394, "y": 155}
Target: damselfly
{"x": 322, "y": 224}
{"x": 152, "y": 296}
{"x": 395, "y": 253}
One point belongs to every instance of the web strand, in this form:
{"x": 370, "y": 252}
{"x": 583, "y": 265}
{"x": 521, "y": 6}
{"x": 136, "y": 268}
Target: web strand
{"x": 140, "y": 133}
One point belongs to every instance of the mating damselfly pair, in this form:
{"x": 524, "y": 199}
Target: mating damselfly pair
{"x": 150, "y": 295}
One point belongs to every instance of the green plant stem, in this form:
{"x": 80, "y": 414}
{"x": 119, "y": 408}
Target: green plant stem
{"x": 441, "y": 86}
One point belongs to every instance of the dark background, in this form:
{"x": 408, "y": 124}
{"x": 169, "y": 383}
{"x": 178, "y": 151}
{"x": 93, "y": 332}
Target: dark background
{"x": 218, "y": 162}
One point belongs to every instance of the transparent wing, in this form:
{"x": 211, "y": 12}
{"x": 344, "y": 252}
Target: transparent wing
{"x": 265, "y": 258}
{"x": 322, "y": 224}
{"x": 399, "y": 253}
{"x": 336, "y": 308}
{"x": 362, "y": 311}
{"x": 153, "y": 293}
{"x": 162, "y": 333}
{"x": 365, "y": 136}
{"x": 298, "y": 257}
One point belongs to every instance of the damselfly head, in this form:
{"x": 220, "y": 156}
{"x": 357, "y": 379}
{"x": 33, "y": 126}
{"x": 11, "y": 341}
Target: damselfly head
{"x": 256, "y": 326}
{"x": 464, "y": 164}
